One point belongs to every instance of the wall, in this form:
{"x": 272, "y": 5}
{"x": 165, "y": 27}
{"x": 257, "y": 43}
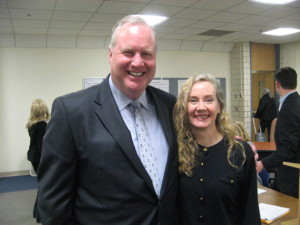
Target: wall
{"x": 290, "y": 56}
{"x": 29, "y": 73}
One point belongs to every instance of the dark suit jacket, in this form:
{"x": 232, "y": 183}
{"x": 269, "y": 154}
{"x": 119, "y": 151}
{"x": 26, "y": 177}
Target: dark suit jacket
{"x": 36, "y": 133}
{"x": 90, "y": 173}
{"x": 287, "y": 139}
{"x": 267, "y": 109}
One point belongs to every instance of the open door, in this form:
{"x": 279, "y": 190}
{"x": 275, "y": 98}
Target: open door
{"x": 260, "y": 80}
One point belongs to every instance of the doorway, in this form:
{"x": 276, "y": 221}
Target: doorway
{"x": 260, "y": 80}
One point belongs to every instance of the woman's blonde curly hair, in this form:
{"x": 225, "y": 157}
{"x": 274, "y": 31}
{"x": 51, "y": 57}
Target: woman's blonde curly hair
{"x": 187, "y": 145}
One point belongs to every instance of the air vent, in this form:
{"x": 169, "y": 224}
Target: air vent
{"x": 216, "y": 33}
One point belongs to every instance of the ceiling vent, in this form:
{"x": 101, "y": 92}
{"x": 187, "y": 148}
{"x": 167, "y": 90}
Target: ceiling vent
{"x": 216, "y": 33}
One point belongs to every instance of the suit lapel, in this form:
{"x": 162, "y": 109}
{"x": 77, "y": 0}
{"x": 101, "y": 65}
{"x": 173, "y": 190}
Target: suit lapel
{"x": 109, "y": 115}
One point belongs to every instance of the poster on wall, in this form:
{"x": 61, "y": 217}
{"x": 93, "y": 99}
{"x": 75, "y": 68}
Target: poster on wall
{"x": 91, "y": 81}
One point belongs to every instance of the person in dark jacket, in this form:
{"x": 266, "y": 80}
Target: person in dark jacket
{"x": 287, "y": 134}
{"x": 218, "y": 180}
{"x": 36, "y": 125}
{"x": 266, "y": 112}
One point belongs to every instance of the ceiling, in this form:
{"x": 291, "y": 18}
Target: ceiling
{"x": 88, "y": 23}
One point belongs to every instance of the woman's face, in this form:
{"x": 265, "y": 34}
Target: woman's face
{"x": 203, "y": 106}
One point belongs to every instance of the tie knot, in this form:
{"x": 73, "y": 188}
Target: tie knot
{"x": 135, "y": 104}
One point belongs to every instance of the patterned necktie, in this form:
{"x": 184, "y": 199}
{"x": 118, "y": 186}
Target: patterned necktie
{"x": 145, "y": 147}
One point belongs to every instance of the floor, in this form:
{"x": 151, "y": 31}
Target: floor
{"x": 17, "y": 200}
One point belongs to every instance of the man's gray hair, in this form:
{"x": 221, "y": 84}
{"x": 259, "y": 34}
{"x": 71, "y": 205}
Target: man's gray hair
{"x": 131, "y": 19}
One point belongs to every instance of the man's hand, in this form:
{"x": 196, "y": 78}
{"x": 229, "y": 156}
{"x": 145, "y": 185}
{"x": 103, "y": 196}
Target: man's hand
{"x": 259, "y": 166}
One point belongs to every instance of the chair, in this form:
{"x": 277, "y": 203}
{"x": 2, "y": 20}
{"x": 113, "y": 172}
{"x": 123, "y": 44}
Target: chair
{"x": 272, "y": 131}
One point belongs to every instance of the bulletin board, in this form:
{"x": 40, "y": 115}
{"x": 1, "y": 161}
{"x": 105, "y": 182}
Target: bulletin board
{"x": 171, "y": 85}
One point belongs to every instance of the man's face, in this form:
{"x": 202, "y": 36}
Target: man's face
{"x": 133, "y": 59}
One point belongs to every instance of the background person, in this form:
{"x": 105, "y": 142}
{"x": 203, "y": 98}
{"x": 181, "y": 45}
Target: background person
{"x": 217, "y": 182}
{"x": 36, "y": 125}
{"x": 266, "y": 111}
{"x": 91, "y": 170}
{"x": 287, "y": 134}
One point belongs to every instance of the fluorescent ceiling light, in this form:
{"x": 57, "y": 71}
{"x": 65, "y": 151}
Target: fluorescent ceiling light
{"x": 282, "y": 31}
{"x": 153, "y": 20}
{"x": 279, "y": 2}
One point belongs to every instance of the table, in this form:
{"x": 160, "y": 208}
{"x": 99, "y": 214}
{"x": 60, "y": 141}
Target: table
{"x": 277, "y": 198}
{"x": 264, "y": 148}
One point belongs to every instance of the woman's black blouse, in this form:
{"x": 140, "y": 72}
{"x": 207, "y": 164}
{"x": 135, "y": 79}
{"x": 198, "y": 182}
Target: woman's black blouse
{"x": 217, "y": 193}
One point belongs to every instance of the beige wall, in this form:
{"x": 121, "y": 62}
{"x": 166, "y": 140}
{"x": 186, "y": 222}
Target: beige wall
{"x": 29, "y": 73}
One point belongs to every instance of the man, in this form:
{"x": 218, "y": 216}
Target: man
{"x": 266, "y": 111}
{"x": 91, "y": 170}
{"x": 287, "y": 134}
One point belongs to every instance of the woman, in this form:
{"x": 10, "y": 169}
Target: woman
{"x": 217, "y": 183}
{"x": 36, "y": 125}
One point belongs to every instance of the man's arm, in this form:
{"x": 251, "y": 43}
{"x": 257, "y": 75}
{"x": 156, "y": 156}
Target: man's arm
{"x": 57, "y": 171}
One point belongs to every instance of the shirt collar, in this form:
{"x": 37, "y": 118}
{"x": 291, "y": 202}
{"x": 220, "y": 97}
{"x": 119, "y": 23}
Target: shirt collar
{"x": 281, "y": 100}
{"x": 122, "y": 100}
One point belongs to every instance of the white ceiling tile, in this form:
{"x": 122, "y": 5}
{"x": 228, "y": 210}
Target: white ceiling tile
{"x": 67, "y": 24}
{"x": 79, "y": 18}
{"x": 255, "y": 20}
{"x": 30, "y": 23}
{"x": 207, "y": 24}
{"x": 31, "y": 4}
{"x": 191, "y": 13}
{"x": 165, "y": 29}
{"x": 176, "y": 36}
{"x": 233, "y": 27}
{"x": 120, "y": 7}
{"x": 160, "y": 10}
{"x": 64, "y": 31}
{"x": 99, "y": 26}
{"x": 61, "y": 41}
{"x": 90, "y": 42}
{"x": 30, "y": 41}
{"x": 6, "y": 30}
{"x": 226, "y": 17}
{"x": 169, "y": 44}
{"x": 29, "y": 30}
{"x": 295, "y": 17}
{"x": 213, "y": 46}
{"x": 5, "y": 23}
{"x": 188, "y": 45}
{"x": 106, "y": 17}
{"x": 280, "y": 11}
{"x": 174, "y": 2}
{"x": 4, "y": 14}
{"x": 190, "y": 31}
{"x": 200, "y": 38}
{"x": 214, "y": 5}
{"x": 30, "y": 14}
{"x": 3, "y": 4}
{"x": 78, "y": 5}
{"x": 7, "y": 40}
{"x": 71, "y": 16}
{"x": 282, "y": 23}
{"x": 250, "y": 8}
{"x": 88, "y": 32}
{"x": 173, "y": 22}
{"x": 136, "y": 1}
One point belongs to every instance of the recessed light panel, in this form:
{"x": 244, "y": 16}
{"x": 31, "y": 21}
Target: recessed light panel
{"x": 282, "y": 31}
{"x": 153, "y": 20}
{"x": 279, "y": 2}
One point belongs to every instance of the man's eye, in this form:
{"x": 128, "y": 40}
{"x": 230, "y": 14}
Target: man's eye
{"x": 209, "y": 100}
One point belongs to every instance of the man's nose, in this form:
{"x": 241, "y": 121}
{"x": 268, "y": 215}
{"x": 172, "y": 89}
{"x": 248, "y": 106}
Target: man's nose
{"x": 137, "y": 60}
